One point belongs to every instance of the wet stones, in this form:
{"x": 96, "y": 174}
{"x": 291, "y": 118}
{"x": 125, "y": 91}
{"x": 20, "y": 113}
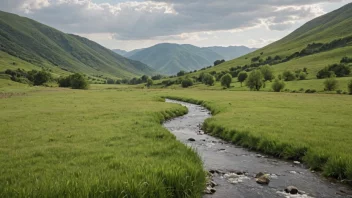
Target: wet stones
{"x": 191, "y": 139}
{"x": 234, "y": 178}
{"x": 291, "y": 190}
{"x": 262, "y": 178}
{"x": 209, "y": 190}
{"x": 296, "y": 162}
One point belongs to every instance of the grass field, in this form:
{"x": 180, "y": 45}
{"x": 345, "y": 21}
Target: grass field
{"x": 315, "y": 128}
{"x": 317, "y": 84}
{"x": 100, "y": 143}
{"x": 108, "y": 141}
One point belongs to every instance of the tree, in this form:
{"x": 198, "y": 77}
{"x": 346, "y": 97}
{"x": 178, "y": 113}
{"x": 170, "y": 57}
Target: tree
{"x": 226, "y": 80}
{"x": 77, "y": 81}
{"x": 39, "y": 77}
{"x": 149, "y": 82}
{"x": 255, "y": 80}
{"x": 208, "y": 79}
{"x": 324, "y": 73}
{"x": 144, "y": 78}
{"x": 278, "y": 85}
{"x": 349, "y": 87}
{"x": 267, "y": 72}
{"x": 218, "y": 62}
{"x": 288, "y": 76}
{"x": 110, "y": 81}
{"x": 187, "y": 82}
{"x": 181, "y": 73}
{"x": 330, "y": 84}
{"x": 242, "y": 76}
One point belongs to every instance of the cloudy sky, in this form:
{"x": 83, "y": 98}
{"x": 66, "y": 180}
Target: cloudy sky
{"x": 131, "y": 24}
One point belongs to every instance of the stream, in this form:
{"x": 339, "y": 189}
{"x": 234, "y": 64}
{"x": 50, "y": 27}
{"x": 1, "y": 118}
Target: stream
{"x": 234, "y": 168}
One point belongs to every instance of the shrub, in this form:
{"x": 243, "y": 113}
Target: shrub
{"x": 218, "y": 62}
{"x": 330, "y": 84}
{"x": 310, "y": 91}
{"x": 167, "y": 82}
{"x": 346, "y": 60}
{"x": 187, "y": 82}
{"x": 149, "y": 82}
{"x": 267, "y": 72}
{"x": 75, "y": 81}
{"x": 339, "y": 91}
{"x": 340, "y": 70}
{"x": 110, "y": 81}
{"x": 278, "y": 85}
{"x": 226, "y": 80}
{"x": 181, "y": 73}
{"x": 302, "y": 76}
{"x": 208, "y": 79}
{"x": 255, "y": 80}
{"x": 349, "y": 87}
{"x": 324, "y": 73}
{"x": 288, "y": 76}
{"x": 242, "y": 77}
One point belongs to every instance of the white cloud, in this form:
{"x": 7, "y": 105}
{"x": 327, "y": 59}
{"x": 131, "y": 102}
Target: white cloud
{"x": 167, "y": 20}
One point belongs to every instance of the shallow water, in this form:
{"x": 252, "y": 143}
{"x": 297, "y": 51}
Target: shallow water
{"x": 228, "y": 158}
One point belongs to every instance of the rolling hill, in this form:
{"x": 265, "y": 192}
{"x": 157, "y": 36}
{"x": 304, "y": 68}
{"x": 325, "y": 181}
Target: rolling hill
{"x": 169, "y": 58}
{"x": 318, "y": 43}
{"x": 46, "y": 47}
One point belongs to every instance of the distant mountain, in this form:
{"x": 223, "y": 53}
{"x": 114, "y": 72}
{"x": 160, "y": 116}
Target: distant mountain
{"x": 232, "y": 52}
{"x": 133, "y": 52}
{"x": 121, "y": 52}
{"x": 47, "y": 47}
{"x": 169, "y": 58}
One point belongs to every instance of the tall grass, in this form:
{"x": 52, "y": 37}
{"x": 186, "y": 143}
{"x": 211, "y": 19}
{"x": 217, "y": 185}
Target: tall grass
{"x": 297, "y": 127}
{"x": 73, "y": 143}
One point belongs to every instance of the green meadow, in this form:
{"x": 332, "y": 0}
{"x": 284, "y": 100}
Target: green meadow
{"x": 109, "y": 142}
{"x": 94, "y": 143}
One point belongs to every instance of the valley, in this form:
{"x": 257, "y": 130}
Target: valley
{"x": 174, "y": 120}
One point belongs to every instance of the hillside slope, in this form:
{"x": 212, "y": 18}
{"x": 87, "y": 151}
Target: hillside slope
{"x": 169, "y": 58}
{"x": 332, "y": 31}
{"x": 44, "y": 46}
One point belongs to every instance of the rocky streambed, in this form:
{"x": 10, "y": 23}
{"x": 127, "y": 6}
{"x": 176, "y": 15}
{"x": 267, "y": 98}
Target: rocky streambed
{"x": 237, "y": 172}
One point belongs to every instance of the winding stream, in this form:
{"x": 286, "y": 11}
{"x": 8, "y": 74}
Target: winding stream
{"x": 224, "y": 158}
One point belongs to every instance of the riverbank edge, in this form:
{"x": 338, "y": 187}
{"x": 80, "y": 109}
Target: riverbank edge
{"x": 330, "y": 166}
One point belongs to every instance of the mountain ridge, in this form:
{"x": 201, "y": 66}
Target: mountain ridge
{"x": 198, "y": 57}
{"x": 46, "y": 47}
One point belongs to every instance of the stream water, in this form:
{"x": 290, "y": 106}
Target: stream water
{"x": 225, "y": 160}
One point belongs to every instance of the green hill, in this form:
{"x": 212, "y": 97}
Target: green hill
{"x": 169, "y": 58}
{"x": 46, "y": 47}
{"x": 315, "y": 45}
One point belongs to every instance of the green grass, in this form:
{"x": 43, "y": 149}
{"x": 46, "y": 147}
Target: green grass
{"x": 108, "y": 141}
{"x": 314, "y": 128}
{"x": 317, "y": 84}
{"x": 324, "y": 29}
{"x": 94, "y": 143}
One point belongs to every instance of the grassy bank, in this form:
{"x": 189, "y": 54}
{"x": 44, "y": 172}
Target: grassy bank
{"x": 94, "y": 143}
{"x": 314, "y": 128}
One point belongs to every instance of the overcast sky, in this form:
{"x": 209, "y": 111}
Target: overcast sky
{"x": 127, "y": 24}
